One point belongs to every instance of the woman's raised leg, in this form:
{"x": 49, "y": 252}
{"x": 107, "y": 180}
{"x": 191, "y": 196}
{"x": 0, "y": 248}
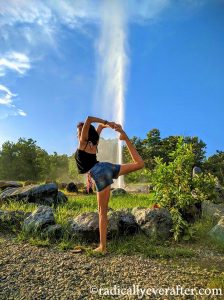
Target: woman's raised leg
{"x": 103, "y": 199}
{"x": 138, "y": 162}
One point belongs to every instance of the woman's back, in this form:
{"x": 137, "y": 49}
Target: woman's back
{"x": 85, "y": 160}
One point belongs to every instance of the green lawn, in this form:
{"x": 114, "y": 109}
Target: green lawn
{"x": 138, "y": 244}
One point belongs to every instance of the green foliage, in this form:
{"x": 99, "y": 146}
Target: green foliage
{"x": 24, "y": 160}
{"x": 176, "y": 189}
{"x": 154, "y": 146}
{"x": 215, "y": 165}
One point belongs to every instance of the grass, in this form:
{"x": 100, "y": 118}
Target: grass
{"x": 217, "y": 282}
{"x": 126, "y": 245}
{"x": 201, "y": 237}
{"x": 141, "y": 244}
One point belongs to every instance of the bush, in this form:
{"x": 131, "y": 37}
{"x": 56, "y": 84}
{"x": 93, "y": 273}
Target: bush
{"x": 176, "y": 189}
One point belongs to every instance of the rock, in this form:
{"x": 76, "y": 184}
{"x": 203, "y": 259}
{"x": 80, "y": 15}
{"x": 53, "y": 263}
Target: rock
{"x": 212, "y": 210}
{"x": 29, "y": 182}
{"x": 118, "y": 192}
{"x": 62, "y": 185}
{"x": 52, "y": 232}
{"x": 46, "y": 194}
{"x": 220, "y": 193}
{"x": 87, "y": 192}
{"x": 217, "y": 231}
{"x": 154, "y": 222}
{"x": 80, "y": 185}
{"x": 61, "y": 198}
{"x": 71, "y": 187}
{"x": 41, "y": 218}
{"x": 86, "y": 226}
{"x": 113, "y": 224}
{"x": 9, "y": 184}
{"x": 196, "y": 170}
{"x": 47, "y": 181}
{"x": 12, "y": 218}
{"x": 127, "y": 223}
{"x": 192, "y": 212}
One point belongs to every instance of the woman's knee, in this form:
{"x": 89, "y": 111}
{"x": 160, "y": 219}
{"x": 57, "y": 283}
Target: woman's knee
{"x": 128, "y": 168}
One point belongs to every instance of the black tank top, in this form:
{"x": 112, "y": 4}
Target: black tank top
{"x": 84, "y": 160}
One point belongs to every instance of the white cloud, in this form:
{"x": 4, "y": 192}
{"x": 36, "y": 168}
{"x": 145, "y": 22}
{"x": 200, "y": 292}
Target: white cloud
{"x": 7, "y": 107}
{"x": 22, "y": 113}
{"x": 15, "y": 61}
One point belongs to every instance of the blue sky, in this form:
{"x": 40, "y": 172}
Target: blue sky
{"x": 48, "y": 70}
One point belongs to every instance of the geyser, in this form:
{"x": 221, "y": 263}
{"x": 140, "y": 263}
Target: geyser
{"x": 112, "y": 65}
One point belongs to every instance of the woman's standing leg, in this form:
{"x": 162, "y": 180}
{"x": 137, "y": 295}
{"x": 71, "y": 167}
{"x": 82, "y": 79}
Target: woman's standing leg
{"x": 103, "y": 199}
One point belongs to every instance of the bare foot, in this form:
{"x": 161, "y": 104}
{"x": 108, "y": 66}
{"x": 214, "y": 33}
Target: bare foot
{"x": 100, "y": 249}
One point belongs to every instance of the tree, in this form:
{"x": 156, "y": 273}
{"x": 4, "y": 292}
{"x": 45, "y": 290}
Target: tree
{"x": 25, "y": 160}
{"x": 215, "y": 165}
{"x": 175, "y": 187}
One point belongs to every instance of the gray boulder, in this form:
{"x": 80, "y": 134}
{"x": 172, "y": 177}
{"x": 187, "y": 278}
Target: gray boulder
{"x": 71, "y": 187}
{"x": 9, "y": 184}
{"x": 46, "y": 194}
{"x": 217, "y": 231}
{"x": 118, "y": 192}
{"x": 127, "y": 223}
{"x": 212, "y": 210}
{"x": 41, "y": 218}
{"x": 52, "y": 232}
{"x": 12, "y": 218}
{"x": 143, "y": 189}
{"x": 113, "y": 224}
{"x": 196, "y": 170}
{"x": 219, "y": 192}
{"x": 86, "y": 226}
{"x": 61, "y": 198}
{"x": 154, "y": 222}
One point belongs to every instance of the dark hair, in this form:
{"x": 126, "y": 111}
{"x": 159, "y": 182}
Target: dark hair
{"x": 93, "y": 134}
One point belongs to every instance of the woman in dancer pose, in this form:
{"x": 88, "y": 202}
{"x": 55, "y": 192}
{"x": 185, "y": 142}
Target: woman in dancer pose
{"x": 102, "y": 173}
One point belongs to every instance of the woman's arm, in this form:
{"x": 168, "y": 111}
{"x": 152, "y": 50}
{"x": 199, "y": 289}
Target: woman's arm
{"x": 101, "y": 127}
{"x": 87, "y": 123}
{"x": 85, "y": 128}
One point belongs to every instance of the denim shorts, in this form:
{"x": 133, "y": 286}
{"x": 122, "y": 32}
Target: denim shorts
{"x": 103, "y": 174}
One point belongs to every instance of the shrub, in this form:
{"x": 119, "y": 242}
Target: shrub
{"x": 177, "y": 190}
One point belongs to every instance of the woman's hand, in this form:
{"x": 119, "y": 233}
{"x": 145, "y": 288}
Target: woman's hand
{"x": 111, "y": 125}
{"x": 123, "y": 135}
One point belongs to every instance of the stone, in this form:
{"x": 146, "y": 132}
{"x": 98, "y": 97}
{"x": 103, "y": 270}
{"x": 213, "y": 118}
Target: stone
{"x": 9, "y": 184}
{"x": 46, "y": 194}
{"x": 52, "y": 232}
{"x": 219, "y": 192}
{"x": 29, "y": 182}
{"x": 217, "y": 231}
{"x": 192, "y": 212}
{"x": 135, "y": 188}
{"x": 113, "y": 224}
{"x": 86, "y": 226}
{"x": 118, "y": 192}
{"x": 154, "y": 222}
{"x": 61, "y": 198}
{"x": 71, "y": 187}
{"x": 41, "y": 218}
{"x": 12, "y": 218}
{"x": 127, "y": 223}
{"x": 212, "y": 210}
{"x": 80, "y": 185}
{"x": 62, "y": 185}
{"x": 196, "y": 170}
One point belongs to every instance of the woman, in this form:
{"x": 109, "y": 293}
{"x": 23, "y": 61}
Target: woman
{"x": 102, "y": 173}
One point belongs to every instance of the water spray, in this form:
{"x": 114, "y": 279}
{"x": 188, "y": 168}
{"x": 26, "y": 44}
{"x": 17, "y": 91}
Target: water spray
{"x": 113, "y": 65}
